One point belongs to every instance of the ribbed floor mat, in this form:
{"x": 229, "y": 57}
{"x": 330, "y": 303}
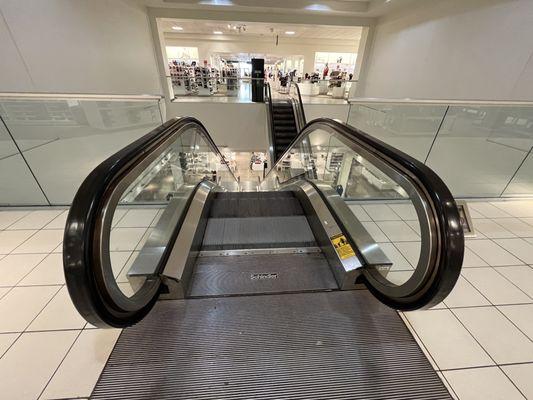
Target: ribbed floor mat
{"x": 326, "y": 345}
{"x": 266, "y": 273}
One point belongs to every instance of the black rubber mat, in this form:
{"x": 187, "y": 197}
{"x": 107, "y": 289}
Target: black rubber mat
{"x": 257, "y": 274}
{"x": 326, "y": 345}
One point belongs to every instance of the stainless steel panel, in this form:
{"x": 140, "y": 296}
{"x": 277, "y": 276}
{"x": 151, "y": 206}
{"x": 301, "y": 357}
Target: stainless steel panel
{"x": 178, "y": 270}
{"x": 325, "y": 227}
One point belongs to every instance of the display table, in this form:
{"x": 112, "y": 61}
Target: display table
{"x": 258, "y": 166}
{"x": 323, "y": 87}
{"x": 308, "y": 89}
{"x": 338, "y": 92}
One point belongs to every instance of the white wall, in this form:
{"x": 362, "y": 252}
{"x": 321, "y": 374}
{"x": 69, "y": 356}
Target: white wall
{"x": 454, "y": 49}
{"x": 335, "y": 111}
{"x": 237, "y": 126}
{"x": 286, "y": 47}
{"x": 84, "y": 46}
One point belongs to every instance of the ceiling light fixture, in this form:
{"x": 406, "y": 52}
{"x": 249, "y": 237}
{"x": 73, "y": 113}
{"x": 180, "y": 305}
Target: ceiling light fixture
{"x": 290, "y": 33}
{"x": 217, "y": 32}
{"x": 318, "y": 7}
{"x": 216, "y": 2}
{"x": 177, "y": 28}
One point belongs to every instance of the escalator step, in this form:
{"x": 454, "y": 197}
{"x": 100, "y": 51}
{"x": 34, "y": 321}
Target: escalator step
{"x": 257, "y": 233}
{"x": 278, "y": 205}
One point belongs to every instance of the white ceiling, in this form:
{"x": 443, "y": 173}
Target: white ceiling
{"x": 353, "y": 8}
{"x": 258, "y": 29}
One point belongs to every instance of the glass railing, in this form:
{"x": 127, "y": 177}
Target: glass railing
{"x": 214, "y": 88}
{"x": 479, "y": 149}
{"x": 399, "y": 203}
{"x": 223, "y": 89}
{"x": 126, "y": 214}
{"x": 50, "y": 142}
{"x": 319, "y": 88}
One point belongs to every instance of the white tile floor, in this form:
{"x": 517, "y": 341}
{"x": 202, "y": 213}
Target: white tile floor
{"x": 480, "y": 339}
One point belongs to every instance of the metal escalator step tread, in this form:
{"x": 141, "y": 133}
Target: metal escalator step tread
{"x": 284, "y": 122}
{"x": 285, "y": 128}
{"x": 255, "y": 206}
{"x": 257, "y": 232}
{"x": 275, "y": 194}
{"x": 284, "y": 140}
{"x": 326, "y": 345}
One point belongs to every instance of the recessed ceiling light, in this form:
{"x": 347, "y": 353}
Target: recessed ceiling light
{"x": 318, "y": 7}
{"x": 177, "y": 28}
{"x": 290, "y": 33}
{"x": 216, "y": 2}
{"x": 217, "y": 32}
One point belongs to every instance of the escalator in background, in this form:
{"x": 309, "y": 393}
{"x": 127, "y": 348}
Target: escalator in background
{"x": 286, "y": 119}
{"x": 260, "y": 288}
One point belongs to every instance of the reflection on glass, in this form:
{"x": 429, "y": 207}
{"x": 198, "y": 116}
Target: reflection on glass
{"x": 374, "y": 194}
{"x": 522, "y": 182}
{"x": 63, "y": 140}
{"x": 408, "y": 127}
{"x": 17, "y": 185}
{"x": 183, "y": 86}
{"x": 479, "y": 149}
{"x": 143, "y": 218}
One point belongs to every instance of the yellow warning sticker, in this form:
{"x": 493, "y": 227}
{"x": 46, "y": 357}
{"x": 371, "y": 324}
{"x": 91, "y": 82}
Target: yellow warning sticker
{"x": 343, "y": 248}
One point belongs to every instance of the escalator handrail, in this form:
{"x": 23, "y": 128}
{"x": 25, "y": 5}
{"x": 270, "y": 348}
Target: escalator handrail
{"x": 300, "y": 103}
{"x": 84, "y": 225}
{"x": 443, "y": 204}
{"x": 268, "y": 98}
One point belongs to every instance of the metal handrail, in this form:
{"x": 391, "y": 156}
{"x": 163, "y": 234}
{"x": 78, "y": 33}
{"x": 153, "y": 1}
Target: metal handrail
{"x": 300, "y": 113}
{"x": 440, "y": 101}
{"x": 81, "y": 96}
{"x": 441, "y": 256}
{"x": 268, "y": 100}
{"x": 86, "y": 259}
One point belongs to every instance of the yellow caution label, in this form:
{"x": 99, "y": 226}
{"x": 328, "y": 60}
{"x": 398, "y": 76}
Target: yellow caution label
{"x": 343, "y": 248}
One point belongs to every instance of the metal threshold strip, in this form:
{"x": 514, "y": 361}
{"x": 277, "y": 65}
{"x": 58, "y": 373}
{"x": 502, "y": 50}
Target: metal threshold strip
{"x": 247, "y": 252}
{"x": 326, "y": 345}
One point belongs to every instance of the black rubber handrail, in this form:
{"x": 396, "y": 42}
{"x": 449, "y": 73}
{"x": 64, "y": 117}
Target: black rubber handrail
{"x": 268, "y": 97}
{"x": 300, "y": 103}
{"x": 446, "y": 214}
{"x": 81, "y": 242}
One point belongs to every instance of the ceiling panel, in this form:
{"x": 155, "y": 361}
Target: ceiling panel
{"x": 256, "y": 29}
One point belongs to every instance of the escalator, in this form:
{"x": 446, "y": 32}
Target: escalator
{"x": 287, "y": 292}
{"x": 286, "y": 118}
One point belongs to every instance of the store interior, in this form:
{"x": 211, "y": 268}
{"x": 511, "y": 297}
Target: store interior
{"x": 212, "y": 59}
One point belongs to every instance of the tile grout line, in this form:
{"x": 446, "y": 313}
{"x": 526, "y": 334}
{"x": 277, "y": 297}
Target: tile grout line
{"x": 514, "y": 384}
{"x": 60, "y": 363}
{"x": 488, "y": 264}
{"x": 42, "y": 309}
{"x": 512, "y": 323}
{"x": 472, "y": 335}
{"x": 12, "y": 344}
{"x": 421, "y": 343}
{"x": 29, "y": 272}
{"x": 14, "y": 222}
{"x": 487, "y": 366}
{"x": 510, "y": 281}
